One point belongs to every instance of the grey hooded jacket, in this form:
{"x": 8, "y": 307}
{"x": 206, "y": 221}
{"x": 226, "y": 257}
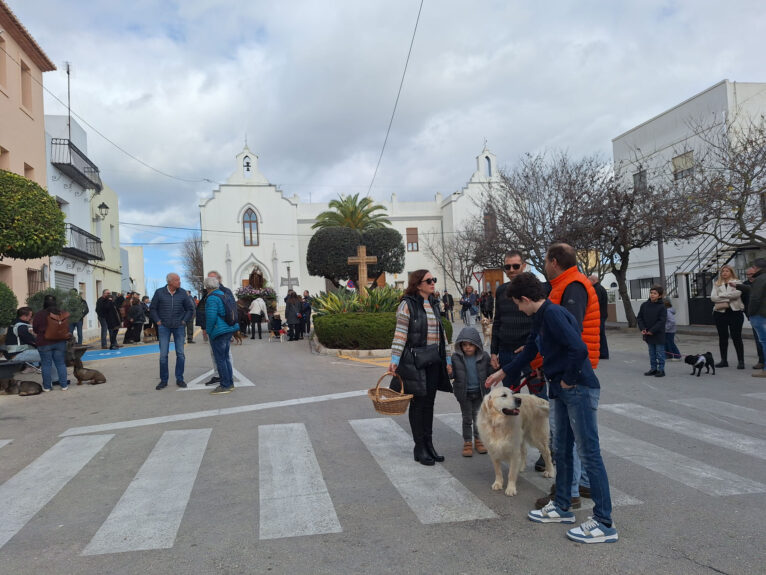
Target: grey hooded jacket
{"x": 470, "y": 335}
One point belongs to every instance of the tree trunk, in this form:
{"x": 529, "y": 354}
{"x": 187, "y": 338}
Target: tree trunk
{"x": 622, "y": 287}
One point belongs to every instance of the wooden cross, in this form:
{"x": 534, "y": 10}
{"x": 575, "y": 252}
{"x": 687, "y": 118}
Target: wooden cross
{"x": 361, "y": 260}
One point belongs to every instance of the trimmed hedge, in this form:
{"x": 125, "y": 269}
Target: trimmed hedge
{"x": 361, "y": 330}
{"x": 66, "y": 300}
{"x": 8, "y": 305}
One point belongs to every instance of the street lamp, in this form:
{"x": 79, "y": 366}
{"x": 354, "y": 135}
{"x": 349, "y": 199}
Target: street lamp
{"x": 103, "y": 210}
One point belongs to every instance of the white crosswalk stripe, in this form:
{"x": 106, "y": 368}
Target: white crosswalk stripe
{"x": 690, "y": 472}
{"x": 199, "y": 381}
{"x": 4, "y": 442}
{"x": 293, "y": 496}
{"x": 706, "y": 433}
{"x": 730, "y": 410}
{"x": 432, "y": 493}
{"x": 528, "y": 474}
{"x": 760, "y": 395}
{"x": 27, "y": 492}
{"x": 149, "y": 513}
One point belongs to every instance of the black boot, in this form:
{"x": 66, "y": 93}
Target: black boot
{"x": 421, "y": 455}
{"x": 431, "y": 451}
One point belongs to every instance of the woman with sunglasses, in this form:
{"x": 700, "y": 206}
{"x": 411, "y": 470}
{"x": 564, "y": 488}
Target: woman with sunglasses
{"x": 421, "y": 357}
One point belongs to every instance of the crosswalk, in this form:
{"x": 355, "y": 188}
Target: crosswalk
{"x": 295, "y": 498}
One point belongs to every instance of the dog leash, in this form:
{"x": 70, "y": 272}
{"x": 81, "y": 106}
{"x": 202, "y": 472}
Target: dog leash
{"x": 527, "y": 380}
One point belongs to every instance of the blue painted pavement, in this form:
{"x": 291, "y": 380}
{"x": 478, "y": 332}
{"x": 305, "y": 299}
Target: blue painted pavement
{"x": 95, "y": 354}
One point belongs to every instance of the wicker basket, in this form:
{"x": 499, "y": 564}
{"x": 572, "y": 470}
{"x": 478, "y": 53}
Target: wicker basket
{"x": 387, "y": 401}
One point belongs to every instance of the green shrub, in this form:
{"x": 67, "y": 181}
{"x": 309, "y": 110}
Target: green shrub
{"x": 382, "y": 299}
{"x": 356, "y": 330}
{"x": 8, "y": 305}
{"x": 31, "y": 223}
{"x": 66, "y": 300}
{"x": 361, "y": 330}
{"x": 341, "y": 301}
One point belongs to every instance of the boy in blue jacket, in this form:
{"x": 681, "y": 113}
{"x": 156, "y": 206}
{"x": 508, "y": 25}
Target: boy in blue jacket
{"x": 575, "y": 388}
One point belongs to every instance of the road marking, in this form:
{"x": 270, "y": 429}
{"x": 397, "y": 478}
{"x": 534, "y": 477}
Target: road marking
{"x": 210, "y": 413}
{"x": 4, "y": 442}
{"x": 149, "y": 513}
{"x": 619, "y": 498}
{"x": 756, "y": 395}
{"x": 699, "y": 431}
{"x": 198, "y": 382}
{"x": 731, "y": 410}
{"x": 686, "y": 470}
{"x": 432, "y": 493}
{"x": 293, "y": 495}
{"x": 27, "y": 492}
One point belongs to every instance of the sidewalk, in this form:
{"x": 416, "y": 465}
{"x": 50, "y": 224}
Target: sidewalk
{"x": 701, "y": 330}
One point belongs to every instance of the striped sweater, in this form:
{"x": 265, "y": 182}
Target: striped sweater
{"x": 402, "y": 328}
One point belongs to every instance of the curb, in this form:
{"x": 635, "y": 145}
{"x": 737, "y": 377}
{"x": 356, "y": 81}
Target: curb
{"x": 318, "y": 348}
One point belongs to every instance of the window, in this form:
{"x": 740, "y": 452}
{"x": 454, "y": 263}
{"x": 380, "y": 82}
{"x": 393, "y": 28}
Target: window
{"x": 112, "y": 237}
{"x": 29, "y": 172}
{"x": 412, "y": 239}
{"x": 35, "y": 281}
{"x": 490, "y": 223}
{"x": 26, "y": 86}
{"x": 639, "y": 288}
{"x": 639, "y": 181}
{"x": 5, "y": 159}
{"x": 250, "y": 228}
{"x": 683, "y": 166}
{"x": 247, "y": 166}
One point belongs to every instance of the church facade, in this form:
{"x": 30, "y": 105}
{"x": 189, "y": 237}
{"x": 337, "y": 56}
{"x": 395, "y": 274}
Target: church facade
{"x": 250, "y": 227}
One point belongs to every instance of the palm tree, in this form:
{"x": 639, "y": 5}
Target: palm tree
{"x": 351, "y": 212}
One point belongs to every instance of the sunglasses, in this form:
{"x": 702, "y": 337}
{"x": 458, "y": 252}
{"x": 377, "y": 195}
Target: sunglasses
{"x": 512, "y": 266}
{"x": 430, "y": 281}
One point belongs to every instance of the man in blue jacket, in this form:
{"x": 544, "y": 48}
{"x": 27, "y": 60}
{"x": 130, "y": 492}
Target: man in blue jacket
{"x": 170, "y": 309}
{"x": 219, "y": 334}
{"x": 574, "y": 390}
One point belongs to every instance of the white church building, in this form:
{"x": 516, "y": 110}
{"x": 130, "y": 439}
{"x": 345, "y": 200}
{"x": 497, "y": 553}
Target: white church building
{"x": 249, "y": 223}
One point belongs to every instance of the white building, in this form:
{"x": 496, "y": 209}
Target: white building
{"x": 74, "y": 180}
{"x": 133, "y": 272}
{"x": 664, "y": 148}
{"x": 249, "y": 222}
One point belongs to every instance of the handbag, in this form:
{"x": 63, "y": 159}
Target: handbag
{"x": 425, "y": 356}
{"x": 721, "y": 306}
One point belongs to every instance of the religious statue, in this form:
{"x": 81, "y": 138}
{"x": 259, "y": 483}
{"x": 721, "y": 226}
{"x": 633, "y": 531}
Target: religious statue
{"x": 256, "y": 279}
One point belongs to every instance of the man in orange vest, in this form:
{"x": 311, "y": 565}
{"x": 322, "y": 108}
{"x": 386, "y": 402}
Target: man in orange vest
{"x": 572, "y": 290}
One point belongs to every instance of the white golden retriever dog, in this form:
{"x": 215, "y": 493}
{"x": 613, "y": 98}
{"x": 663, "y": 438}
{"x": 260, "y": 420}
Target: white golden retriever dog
{"x": 506, "y": 421}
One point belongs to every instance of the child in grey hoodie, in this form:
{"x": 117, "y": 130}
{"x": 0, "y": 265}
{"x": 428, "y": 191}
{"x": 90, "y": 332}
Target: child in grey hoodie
{"x": 470, "y": 369}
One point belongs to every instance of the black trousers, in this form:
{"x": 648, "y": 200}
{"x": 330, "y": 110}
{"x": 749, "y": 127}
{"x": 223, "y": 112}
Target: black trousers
{"x": 727, "y": 323}
{"x": 603, "y": 352}
{"x": 255, "y": 320}
{"x": 421, "y": 411}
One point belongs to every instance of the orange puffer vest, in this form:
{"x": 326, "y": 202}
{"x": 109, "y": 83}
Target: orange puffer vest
{"x": 592, "y": 321}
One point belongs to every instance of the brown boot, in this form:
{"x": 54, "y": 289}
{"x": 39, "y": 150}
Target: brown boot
{"x": 479, "y": 446}
{"x": 467, "y": 449}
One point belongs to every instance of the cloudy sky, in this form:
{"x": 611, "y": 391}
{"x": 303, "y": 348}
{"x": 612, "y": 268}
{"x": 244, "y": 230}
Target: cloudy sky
{"x": 312, "y": 84}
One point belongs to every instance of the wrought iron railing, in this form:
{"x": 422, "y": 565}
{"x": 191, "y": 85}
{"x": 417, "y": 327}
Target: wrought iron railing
{"x": 81, "y": 244}
{"x": 70, "y": 160}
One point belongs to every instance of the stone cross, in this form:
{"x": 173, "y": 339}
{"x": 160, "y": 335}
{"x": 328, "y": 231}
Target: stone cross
{"x": 361, "y": 260}
{"x": 289, "y": 281}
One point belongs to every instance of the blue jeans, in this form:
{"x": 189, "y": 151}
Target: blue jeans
{"x": 163, "y": 334}
{"x": 29, "y": 355}
{"x": 78, "y": 326}
{"x": 512, "y": 380}
{"x": 50, "y": 356}
{"x": 671, "y": 349}
{"x": 579, "y": 476}
{"x": 576, "y": 422}
{"x": 220, "y": 346}
{"x": 759, "y": 326}
{"x": 657, "y": 356}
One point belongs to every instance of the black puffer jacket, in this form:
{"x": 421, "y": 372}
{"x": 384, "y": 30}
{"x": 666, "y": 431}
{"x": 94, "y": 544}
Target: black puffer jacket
{"x": 651, "y": 317}
{"x": 510, "y": 327}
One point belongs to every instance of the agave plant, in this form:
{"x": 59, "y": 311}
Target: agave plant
{"x": 342, "y": 301}
{"x": 382, "y": 299}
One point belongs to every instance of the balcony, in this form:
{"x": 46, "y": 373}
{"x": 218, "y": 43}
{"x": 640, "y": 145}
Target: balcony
{"x": 72, "y": 162}
{"x": 82, "y": 245}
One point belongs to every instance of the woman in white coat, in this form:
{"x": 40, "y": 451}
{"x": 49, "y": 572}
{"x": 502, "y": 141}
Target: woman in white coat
{"x": 258, "y": 313}
{"x": 729, "y": 315}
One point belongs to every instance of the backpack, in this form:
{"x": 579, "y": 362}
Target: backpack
{"x": 57, "y": 328}
{"x": 230, "y": 311}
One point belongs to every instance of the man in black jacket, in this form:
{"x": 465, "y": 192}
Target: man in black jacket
{"x": 448, "y": 303}
{"x": 109, "y": 318}
{"x": 603, "y": 306}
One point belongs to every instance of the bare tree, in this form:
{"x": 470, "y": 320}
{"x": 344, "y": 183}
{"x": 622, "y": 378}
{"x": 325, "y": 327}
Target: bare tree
{"x": 455, "y": 254}
{"x": 726, "y": 180}
{"x": 191, "y": 258}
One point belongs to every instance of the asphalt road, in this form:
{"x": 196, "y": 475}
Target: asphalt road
{"x": 297, "y": 474}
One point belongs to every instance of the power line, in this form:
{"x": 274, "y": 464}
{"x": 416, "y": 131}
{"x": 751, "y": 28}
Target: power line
{"x": 120, "y": 148}
{"x": 396, "y": 103}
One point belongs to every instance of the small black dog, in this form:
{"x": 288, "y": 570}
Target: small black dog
{"x": 699, "y": 361}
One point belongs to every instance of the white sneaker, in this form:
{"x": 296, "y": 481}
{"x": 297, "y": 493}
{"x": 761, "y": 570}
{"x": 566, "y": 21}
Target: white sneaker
{"x": 593, "y": 531}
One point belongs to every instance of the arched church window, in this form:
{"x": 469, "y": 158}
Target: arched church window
{"x": 250, "y": 228}
{"x": 489, "y": 166}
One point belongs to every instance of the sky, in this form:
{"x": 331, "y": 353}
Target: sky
{"x": 311, "y": 85}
